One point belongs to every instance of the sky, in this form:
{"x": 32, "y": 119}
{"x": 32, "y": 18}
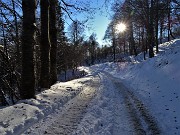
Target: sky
{"x": 99, "y": 22}
{"x": 99, "y": 27}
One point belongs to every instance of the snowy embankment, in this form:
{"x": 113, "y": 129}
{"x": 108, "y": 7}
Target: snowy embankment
{"x": 156, "y": 82}
{"x": 17, "y": 118}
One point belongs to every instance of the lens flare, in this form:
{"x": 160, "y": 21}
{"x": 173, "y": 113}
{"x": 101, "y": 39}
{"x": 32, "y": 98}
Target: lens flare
{"x": 120, "y": 27}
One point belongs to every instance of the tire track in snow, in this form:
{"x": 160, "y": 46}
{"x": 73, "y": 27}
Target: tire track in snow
{"x": 74, "y": 112}
{"x": 122, "y": 124}
{"x": 143, "y": 122}
{"x": 67, "y": 120}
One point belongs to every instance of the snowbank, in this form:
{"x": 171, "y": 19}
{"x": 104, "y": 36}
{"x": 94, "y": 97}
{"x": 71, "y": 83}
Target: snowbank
{"x": 156, "y": 81}
{"x": 17, "y": 118}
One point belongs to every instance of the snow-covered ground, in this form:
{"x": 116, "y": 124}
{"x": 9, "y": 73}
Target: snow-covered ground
{"x": 17, "y": 118}
{"x": 156, "y": 82}
{"x": 107, "y": 101}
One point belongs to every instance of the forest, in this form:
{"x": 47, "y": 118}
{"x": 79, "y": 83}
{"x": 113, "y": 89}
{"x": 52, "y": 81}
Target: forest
{"x": 35, "y": 46}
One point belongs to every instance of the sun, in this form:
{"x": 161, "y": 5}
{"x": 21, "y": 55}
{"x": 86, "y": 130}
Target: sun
{"x": 120, "y": 27}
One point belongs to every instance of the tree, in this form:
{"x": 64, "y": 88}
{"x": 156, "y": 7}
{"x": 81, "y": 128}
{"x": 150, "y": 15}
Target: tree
{"x": 150, "y": 28}
{"x": 16, "y": 32}
{"x": 156, "y": 25}
{"x": 28, "y": 79}
{"x": 53, "y": 40}
{"x": 76, "y": 30}
{"x": 138, "y": 15}
{"x": 45, "y": 45}
{"x": 12, "y": 22}
{"x": 92, "y": 47}
{"x": 129, "y": 11}
{"x": 62, "y": 41}
{"x": 110, "y": 34}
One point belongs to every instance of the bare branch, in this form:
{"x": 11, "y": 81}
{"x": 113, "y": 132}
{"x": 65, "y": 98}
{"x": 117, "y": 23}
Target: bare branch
{"x": 68, "y": 13}
{"x": 11, "y": 10}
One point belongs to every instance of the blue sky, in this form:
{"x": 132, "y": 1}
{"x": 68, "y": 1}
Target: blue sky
{"x": 100, "y": 23}
{"x": 100, "y": 20}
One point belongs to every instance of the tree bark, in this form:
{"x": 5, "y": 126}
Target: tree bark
{"x": 53, "y": 40}
{"x": 157, "y": 28}
{"x": 169, "y": 18}
{"x": 161, "y": 31}
{"x": 151, "y": 31}
{"x": 17, "y": 33}
{"x": 131, "y": 39}
{"x": 45, "y": 45}
{"x": 28, "y": 79}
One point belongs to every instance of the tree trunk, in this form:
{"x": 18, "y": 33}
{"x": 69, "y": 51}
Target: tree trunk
{"x": 143, "y": 44}
{"x": 53, "y": 39}
{"x": 114, "y": 49}
{"x": 151, "y": 31}
{"x": 113, "y": 45}
{"x": 169, "y": 18}
{"x": 161, "y": 31}
{"x": 157, "y": 28}
{"x": 28, "y": 79}
{"x": 17, "y": 33}
{"x": 131, "y": 39}
{"x": 45, "y": 45}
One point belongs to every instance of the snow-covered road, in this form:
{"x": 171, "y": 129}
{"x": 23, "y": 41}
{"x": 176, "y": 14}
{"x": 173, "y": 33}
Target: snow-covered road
{"x": 120, "y": 110}
{"x": 142, "y": 121}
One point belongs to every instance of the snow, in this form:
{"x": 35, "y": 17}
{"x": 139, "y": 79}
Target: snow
{"x": 17, "y": 118}
{"x": 99, "y": 97}
{"x": 156, "y": 82}
{"x": 103, "y": 112}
